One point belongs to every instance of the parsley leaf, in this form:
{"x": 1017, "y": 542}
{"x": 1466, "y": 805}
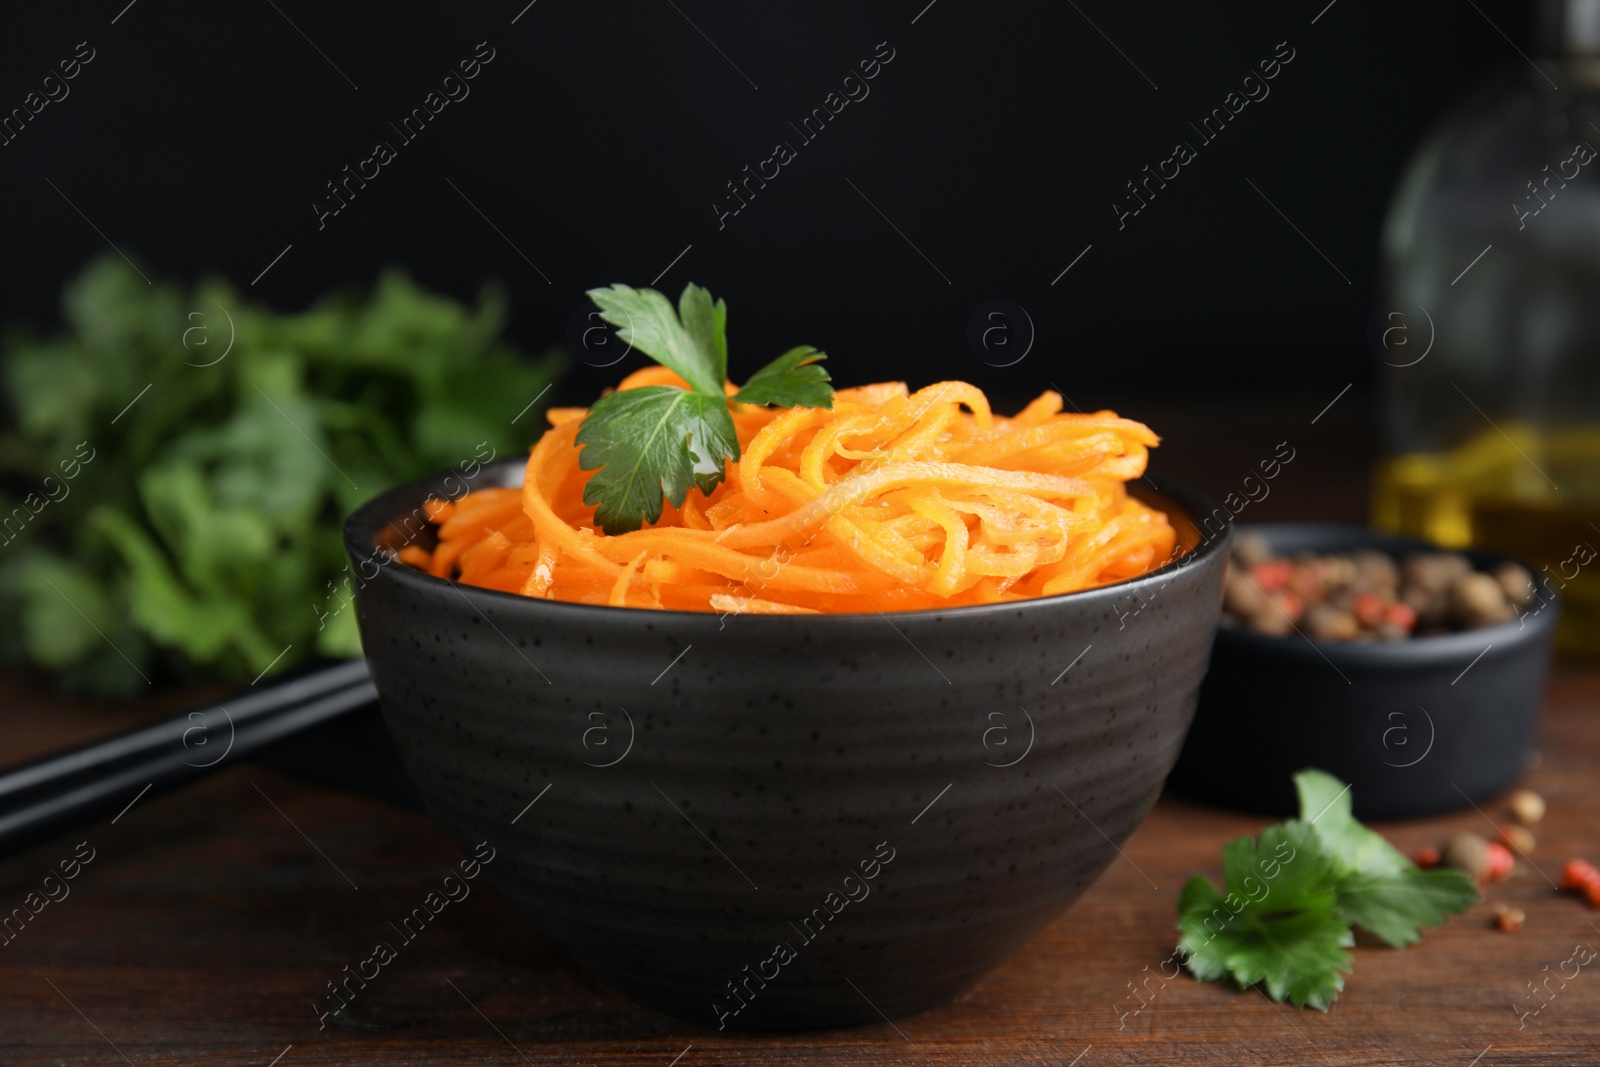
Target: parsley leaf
{"x": 1394, "y": 907}
{"x": 795, "y": 379}
{"x": 1325, "y": 802}
{"x": 647, "y": 443}
{"x": 650, "y": 442}
{"x": 707, "y": 323}
{"x": 1286, "y": 918}
{"x": 1278, "y": 924}
{"x": 693, "y": 343}
{"x": 1380, "y": 890}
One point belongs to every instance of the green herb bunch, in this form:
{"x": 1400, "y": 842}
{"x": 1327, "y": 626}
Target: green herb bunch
{"x": 1296, "y": 893}
{"x": 201, "y": 538}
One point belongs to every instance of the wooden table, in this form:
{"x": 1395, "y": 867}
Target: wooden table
{"x": 207, "y": 922}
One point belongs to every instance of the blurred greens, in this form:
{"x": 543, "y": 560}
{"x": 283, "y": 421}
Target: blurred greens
{"x": 195, "y": 535}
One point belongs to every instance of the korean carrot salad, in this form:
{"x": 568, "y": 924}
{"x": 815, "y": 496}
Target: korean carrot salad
{"x": 679, "y": 491}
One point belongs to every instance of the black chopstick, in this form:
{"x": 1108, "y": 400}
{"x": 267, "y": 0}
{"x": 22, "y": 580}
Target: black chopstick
{"x": 56, "y": 793}
{"x": 209, "y": 722}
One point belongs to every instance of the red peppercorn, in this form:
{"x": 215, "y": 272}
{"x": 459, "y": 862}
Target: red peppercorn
{"x": 1402, "y": 615}
{"x": 1578, "y": 875}
{"x": 1500, "y": 861}
{"x": 1271, "y": 575}
{"x": 1370, "y": 609}
{"x": 1427, "y": 856}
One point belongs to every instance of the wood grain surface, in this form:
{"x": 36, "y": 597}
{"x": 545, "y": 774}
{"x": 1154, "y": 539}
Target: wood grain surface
{"x": 208, "y": 921}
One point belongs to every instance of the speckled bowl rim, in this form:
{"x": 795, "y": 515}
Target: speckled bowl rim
{"x": 379, "y": 511}
{"x": 1408, "y": 654}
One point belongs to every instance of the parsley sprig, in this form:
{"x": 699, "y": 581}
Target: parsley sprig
{"x": 1295, "y": 894}
{"x": 653, "y": 442}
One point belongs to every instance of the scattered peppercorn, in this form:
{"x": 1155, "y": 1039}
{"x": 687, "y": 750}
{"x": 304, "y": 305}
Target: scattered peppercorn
{"x": 1500, "y": 861}
{"x": 1517, "y": 838}
{"x": 1487, "y": 861}
{"x": 1527, "y": 807}
{"x": 1367, "y": 595}
{"x": 1579, "y": 876}
{"x": 1578, "y": 873}
{"x": 1468, "y": 852}
{"x": 1508, "y": 919}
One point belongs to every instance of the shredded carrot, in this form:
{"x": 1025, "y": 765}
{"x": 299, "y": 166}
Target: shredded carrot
{"x": 890, "y": 501}
{"x": 416, "y": 556}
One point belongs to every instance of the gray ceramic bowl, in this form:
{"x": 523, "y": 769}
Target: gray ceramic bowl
{"x": 786, "y": 822}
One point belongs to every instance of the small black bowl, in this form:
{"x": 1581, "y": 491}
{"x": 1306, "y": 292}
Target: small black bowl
{"x": 1416, "y": 727}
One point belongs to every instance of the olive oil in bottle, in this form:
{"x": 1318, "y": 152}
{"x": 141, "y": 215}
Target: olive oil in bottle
{"x": 1489, "y": 325}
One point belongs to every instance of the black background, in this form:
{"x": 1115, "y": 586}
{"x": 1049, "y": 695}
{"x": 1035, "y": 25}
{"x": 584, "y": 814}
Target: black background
{"x": 596, "y": 140}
